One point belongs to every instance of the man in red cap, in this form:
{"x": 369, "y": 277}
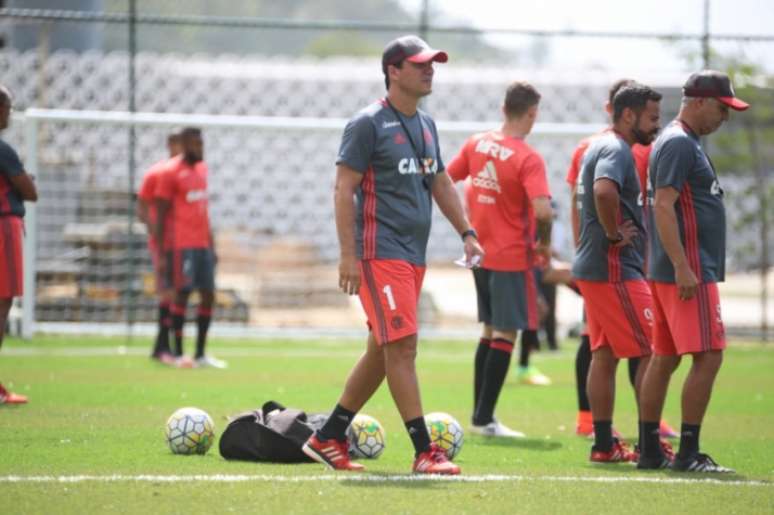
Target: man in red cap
{"x": 687, "y": 260}
{"x": 390, "y": 161}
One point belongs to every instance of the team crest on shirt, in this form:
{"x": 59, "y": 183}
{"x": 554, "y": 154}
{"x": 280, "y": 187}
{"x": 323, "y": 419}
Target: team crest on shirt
{"x": 399, "y": 139}
{"x": 715, "y": 189}
{"x": 428, "y": 136}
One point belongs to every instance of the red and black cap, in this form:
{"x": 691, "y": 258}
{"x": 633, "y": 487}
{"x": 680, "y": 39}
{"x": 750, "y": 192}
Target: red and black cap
{"x": 410, "y": 48}
{"x": 713, "y": 84}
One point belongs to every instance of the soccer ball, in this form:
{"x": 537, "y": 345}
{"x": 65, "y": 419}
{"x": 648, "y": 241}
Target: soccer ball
{"x": 446, "y": 432}
{"x": 190, "y": 431}
{"x": 366, "y": 437}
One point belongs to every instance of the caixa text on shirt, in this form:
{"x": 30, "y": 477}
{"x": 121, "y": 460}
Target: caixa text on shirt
{"x": 408, "y": 166}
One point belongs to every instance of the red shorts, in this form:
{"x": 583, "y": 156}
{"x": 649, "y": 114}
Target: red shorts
{"x": 619, "y": 315}
{"x": 11, "y": 262}
{"x": 687, "y": 326}
{"x": 389, "y": 292}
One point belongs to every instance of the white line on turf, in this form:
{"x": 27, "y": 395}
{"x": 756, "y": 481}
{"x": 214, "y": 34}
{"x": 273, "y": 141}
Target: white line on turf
{"x": 230, "y": 478}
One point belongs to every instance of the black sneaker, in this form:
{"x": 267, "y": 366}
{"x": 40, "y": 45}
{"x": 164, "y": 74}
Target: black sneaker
{"x": 699, "y": 462}
{"x": 653, "y": 463}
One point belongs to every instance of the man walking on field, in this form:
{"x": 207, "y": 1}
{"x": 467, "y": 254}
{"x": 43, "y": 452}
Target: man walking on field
{"x": 390, "y": 160}
{"x": 687, "y": 260}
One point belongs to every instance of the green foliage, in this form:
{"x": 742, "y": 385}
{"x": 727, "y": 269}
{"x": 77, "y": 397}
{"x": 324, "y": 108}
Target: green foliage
{"x": 321, "y": 43}
{"x": 99, "y": 410}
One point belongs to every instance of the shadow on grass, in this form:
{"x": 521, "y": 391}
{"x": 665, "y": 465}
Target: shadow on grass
{"x": 532, "y": 444}
{"x": 390, "y": 479}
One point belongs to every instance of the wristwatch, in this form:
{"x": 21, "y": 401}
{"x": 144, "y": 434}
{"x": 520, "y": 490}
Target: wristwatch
{"x": 469, "y": 232}
{"x": 618, "y": 238}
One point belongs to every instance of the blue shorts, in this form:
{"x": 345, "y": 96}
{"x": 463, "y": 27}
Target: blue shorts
{"x": 191, "y": 269}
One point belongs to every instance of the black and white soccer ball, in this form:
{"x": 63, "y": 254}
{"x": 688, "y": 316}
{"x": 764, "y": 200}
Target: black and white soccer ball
{"x": 445, "y": 432}
{"x": 366, "y": 437}
{"x": 190, "y": 431}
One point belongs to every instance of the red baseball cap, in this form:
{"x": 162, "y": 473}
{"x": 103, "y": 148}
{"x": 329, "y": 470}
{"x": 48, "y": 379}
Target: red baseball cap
{"x": 713, "y": 84}
{"x": 410, "y": 48}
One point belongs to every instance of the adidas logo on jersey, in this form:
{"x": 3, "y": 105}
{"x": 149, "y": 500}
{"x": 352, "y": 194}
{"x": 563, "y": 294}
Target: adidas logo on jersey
{"x": 487, "y": 178}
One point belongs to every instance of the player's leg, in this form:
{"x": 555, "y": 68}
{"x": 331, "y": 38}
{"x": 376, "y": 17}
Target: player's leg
{"x": 548, "y": 291}
{"x": 364, "y": 379}
{"x": 585, "y": 423}
{"x": 178, "y": 312}
{"x": 329, "y": 444}
{"x": 11, "y": 284}
{"x": 204, "y": 282}
{"x": 697, "y": 391}
{"x": 618, "y": 329}
{"x": 5, "y": 308}
{"x": 655, "y": 385}
{"x": 510, "y": 310}
{"x": 481, "y": 281}
{"x": 601, "y": 392}
{"x": 530, "y": 342}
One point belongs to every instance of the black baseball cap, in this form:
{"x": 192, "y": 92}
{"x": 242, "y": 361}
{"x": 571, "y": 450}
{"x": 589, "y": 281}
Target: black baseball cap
{"x": 713, "y": 84}
{"x": 410, "y": 48}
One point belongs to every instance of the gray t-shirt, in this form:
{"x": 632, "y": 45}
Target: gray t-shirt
{"x": 10, "y": 166}
{"x": 394, "y": 203}
{"x": 608, "y": 157}
{"x": 678, "y": 161}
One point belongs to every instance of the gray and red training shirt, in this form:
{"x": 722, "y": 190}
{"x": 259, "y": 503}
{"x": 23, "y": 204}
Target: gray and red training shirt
{"x": 11, "y": 202}
{"x": 678, "y": 161}
{"x": 608, "y": 157}
{"x": 394, "y": 199}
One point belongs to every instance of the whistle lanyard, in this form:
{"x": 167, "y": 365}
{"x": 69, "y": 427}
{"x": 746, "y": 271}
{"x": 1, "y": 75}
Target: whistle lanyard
{"x": 688, "y": 129}
{"x": 420, "y": 159}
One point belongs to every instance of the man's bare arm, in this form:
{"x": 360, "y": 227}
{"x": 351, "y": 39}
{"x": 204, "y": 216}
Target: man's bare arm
{"x": 347, "y": 182}
{"x": 665, "y": 218}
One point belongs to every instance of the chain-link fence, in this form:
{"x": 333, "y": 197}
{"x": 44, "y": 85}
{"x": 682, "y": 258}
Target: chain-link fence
{"x": 271, "y": 186}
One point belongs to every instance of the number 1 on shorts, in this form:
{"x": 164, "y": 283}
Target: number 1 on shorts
{"x": 390, "y": 299}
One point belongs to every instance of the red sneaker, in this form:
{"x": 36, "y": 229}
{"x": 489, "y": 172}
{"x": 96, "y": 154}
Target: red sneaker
{"x": 619, "y": 453}
{"x": 584, "y": 425}
{"x": 666, "y": 431}
{"x": 434, "y": 461}
{"x": 7, "y": 397}
{"x": 332, "y": 453}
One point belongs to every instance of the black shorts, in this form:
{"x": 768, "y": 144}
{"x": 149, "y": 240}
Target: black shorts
{"x": 190, "y": 269}
{"x": 507, "y": 301}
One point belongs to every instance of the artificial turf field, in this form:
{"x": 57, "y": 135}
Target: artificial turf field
{"x": 91, "y": 439}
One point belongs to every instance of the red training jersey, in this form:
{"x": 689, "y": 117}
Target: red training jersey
{"x": 506, "y": 175}
{"x": 184, "y": 186}
{"x": 147, "y": 193}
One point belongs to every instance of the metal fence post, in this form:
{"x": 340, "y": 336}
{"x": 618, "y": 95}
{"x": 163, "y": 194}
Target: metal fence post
{"x": 31, "y": 229}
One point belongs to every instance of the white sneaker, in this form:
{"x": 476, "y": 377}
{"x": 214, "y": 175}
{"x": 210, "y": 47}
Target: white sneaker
{"x": 210, "y": 362}
{"x": 496, "y": 428}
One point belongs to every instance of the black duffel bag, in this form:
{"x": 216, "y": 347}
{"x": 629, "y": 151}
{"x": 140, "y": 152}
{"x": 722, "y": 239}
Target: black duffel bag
{"x": 272, "y": 433}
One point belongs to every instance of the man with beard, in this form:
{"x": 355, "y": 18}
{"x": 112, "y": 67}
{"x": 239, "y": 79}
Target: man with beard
{"x": 190, "y": 262}
{"x": 609, "y": 261}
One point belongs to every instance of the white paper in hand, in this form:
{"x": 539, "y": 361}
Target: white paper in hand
{"x": 474, "y": 262}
